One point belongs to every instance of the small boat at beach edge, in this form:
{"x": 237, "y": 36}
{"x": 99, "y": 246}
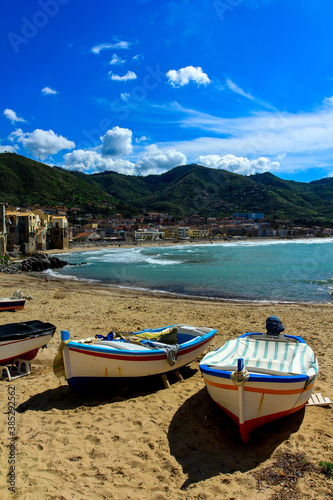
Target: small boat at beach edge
{"x": 23, "y": 340}
{"x": 10, "y": 304}
{"x": 144, "y": 353}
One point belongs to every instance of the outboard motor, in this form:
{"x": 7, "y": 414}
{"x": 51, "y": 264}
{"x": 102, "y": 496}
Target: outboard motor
{"x": 274, "y": 326}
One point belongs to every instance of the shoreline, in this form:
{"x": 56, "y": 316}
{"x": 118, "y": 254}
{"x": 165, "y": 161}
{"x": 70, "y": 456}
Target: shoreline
{"x": 166, "y": 294}
{"x": 189, "y": 295}
{"x": 164, "y": 243}
{"x": 142, "y": 441}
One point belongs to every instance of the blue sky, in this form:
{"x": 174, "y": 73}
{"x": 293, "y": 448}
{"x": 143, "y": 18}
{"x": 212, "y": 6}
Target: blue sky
{"x": 141, "y": 86}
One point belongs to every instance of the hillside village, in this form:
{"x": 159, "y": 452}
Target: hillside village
{"x": 27, "y": 230}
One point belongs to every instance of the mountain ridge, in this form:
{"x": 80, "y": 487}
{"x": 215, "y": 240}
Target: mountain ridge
{"x": 184, "y": 190}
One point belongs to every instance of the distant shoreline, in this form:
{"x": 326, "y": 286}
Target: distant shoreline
{"x": 164, "y": 243}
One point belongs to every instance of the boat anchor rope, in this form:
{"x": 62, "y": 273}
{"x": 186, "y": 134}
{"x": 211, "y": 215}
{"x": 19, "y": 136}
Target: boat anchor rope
{"x": 240, "y": 376}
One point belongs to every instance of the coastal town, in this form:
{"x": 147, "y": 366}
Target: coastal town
{"x": 27, "y": 230}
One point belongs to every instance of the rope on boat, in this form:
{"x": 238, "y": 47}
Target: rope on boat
{"x": 240, "y": 377}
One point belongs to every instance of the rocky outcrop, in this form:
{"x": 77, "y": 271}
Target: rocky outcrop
{"x": 10, "y": 268}
{"x": 42, "y": 262}
{"x": 36, "y": 263}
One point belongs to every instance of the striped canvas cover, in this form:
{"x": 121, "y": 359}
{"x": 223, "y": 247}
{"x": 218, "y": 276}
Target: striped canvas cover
{"x": 262, "y": 356}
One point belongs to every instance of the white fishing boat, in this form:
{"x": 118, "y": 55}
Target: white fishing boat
{"x": 259, "y": 377}
{"x": 140, "y": 354}
{"x": 23, "y": 340}
{"x": 11, "y": 304}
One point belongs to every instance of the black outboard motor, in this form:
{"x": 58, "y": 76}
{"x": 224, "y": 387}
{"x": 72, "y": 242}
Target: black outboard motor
{"x": 274, "y": 326}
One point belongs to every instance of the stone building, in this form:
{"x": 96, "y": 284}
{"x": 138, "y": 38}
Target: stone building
{"x": 3, "y": 233}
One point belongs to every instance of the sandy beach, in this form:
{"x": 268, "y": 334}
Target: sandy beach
{"x": 141, "y": 441}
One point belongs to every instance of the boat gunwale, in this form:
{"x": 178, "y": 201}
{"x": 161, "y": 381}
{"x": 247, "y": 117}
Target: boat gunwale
{"x": 137, "y": 353}
{"x": 269, "y": 378}
{"x": 272, "y": 338}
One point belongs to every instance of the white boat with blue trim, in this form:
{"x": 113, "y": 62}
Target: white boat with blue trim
{"x": 259, "y": 377}
{"x": 140, "y": 354}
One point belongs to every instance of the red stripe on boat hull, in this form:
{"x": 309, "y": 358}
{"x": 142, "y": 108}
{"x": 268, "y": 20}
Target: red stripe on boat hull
{"x": 28, "y": 356}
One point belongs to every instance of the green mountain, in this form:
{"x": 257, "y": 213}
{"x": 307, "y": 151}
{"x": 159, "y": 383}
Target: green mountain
{"x": 26, "y": 181}
{"x": 184, "y": 190}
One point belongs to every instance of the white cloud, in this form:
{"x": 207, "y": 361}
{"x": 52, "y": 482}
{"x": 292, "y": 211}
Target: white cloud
{"x": 138, "y": 57}
{"x": 117, "y": 141}
{"x": 116, "y": 60}
{"x": 232, "y": 86}
{"x": 178, "y": 78}
{"x": 93, "y": 162}
{"x": 328, "y": 101}
{"x": 12, "y": 116}
{"x": 125, "y": 96}
{"x": 237, "y": 90}
{"x": 7, "y": 149}
{"x": 41, "y": 143}
{"x": 157, "y": 162}
{"x": 48, "y": 91}
{"x": 238, "y": 164}
{"x": 143, "y": 138}
{"x": 106, "y": 46}
{"x": 305, "y": 138}
{"x": 130, "y": 75}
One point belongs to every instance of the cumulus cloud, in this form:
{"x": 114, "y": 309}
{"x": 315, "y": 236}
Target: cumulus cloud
{"x": 117, "y": 141}
{"x": 116, "y": 60}
{"x": 49, "y": 91}
{"x": 238, "y": 164}
{"x": 157, "y": 162}
{"x": 41, "y": 143}
{"x": 181, "y": 77}
{"x": 93, "y": 162}
{"x": 106, "y": 46}
{"x": 12, "y": 116}
{"x": 130, "y": 75}
{"x": 143, "y": 138}
{"x": 7, "y": 149}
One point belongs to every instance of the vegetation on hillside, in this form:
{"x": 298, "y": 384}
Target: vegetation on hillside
{"x": 184, "y": 190}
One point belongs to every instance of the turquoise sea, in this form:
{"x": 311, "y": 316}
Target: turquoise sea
{"x": 282, "y": 271}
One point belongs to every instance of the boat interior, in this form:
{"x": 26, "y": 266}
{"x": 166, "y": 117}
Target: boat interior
{"x": 145, "y": 339}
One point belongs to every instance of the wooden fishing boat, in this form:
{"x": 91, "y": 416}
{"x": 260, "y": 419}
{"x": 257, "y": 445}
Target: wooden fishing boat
{"x": 140, "y": 354}
{"x": 23, "y": 340}
{"x": 11, "y": 304}
{"x": 260, "y": 377}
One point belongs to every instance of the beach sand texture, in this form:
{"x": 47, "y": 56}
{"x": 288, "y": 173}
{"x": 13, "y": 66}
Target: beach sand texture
{"x": 141, "y": 441}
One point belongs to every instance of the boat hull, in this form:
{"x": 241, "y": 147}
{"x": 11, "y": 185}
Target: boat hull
{"x": 23, "y": 340}
{"x": 257, "y": 378}
{"x": 262, "y": 399}
{"x": 24, "y": 348}
{"x": 11, "y": 304}
{"x": 84, "y": 362}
